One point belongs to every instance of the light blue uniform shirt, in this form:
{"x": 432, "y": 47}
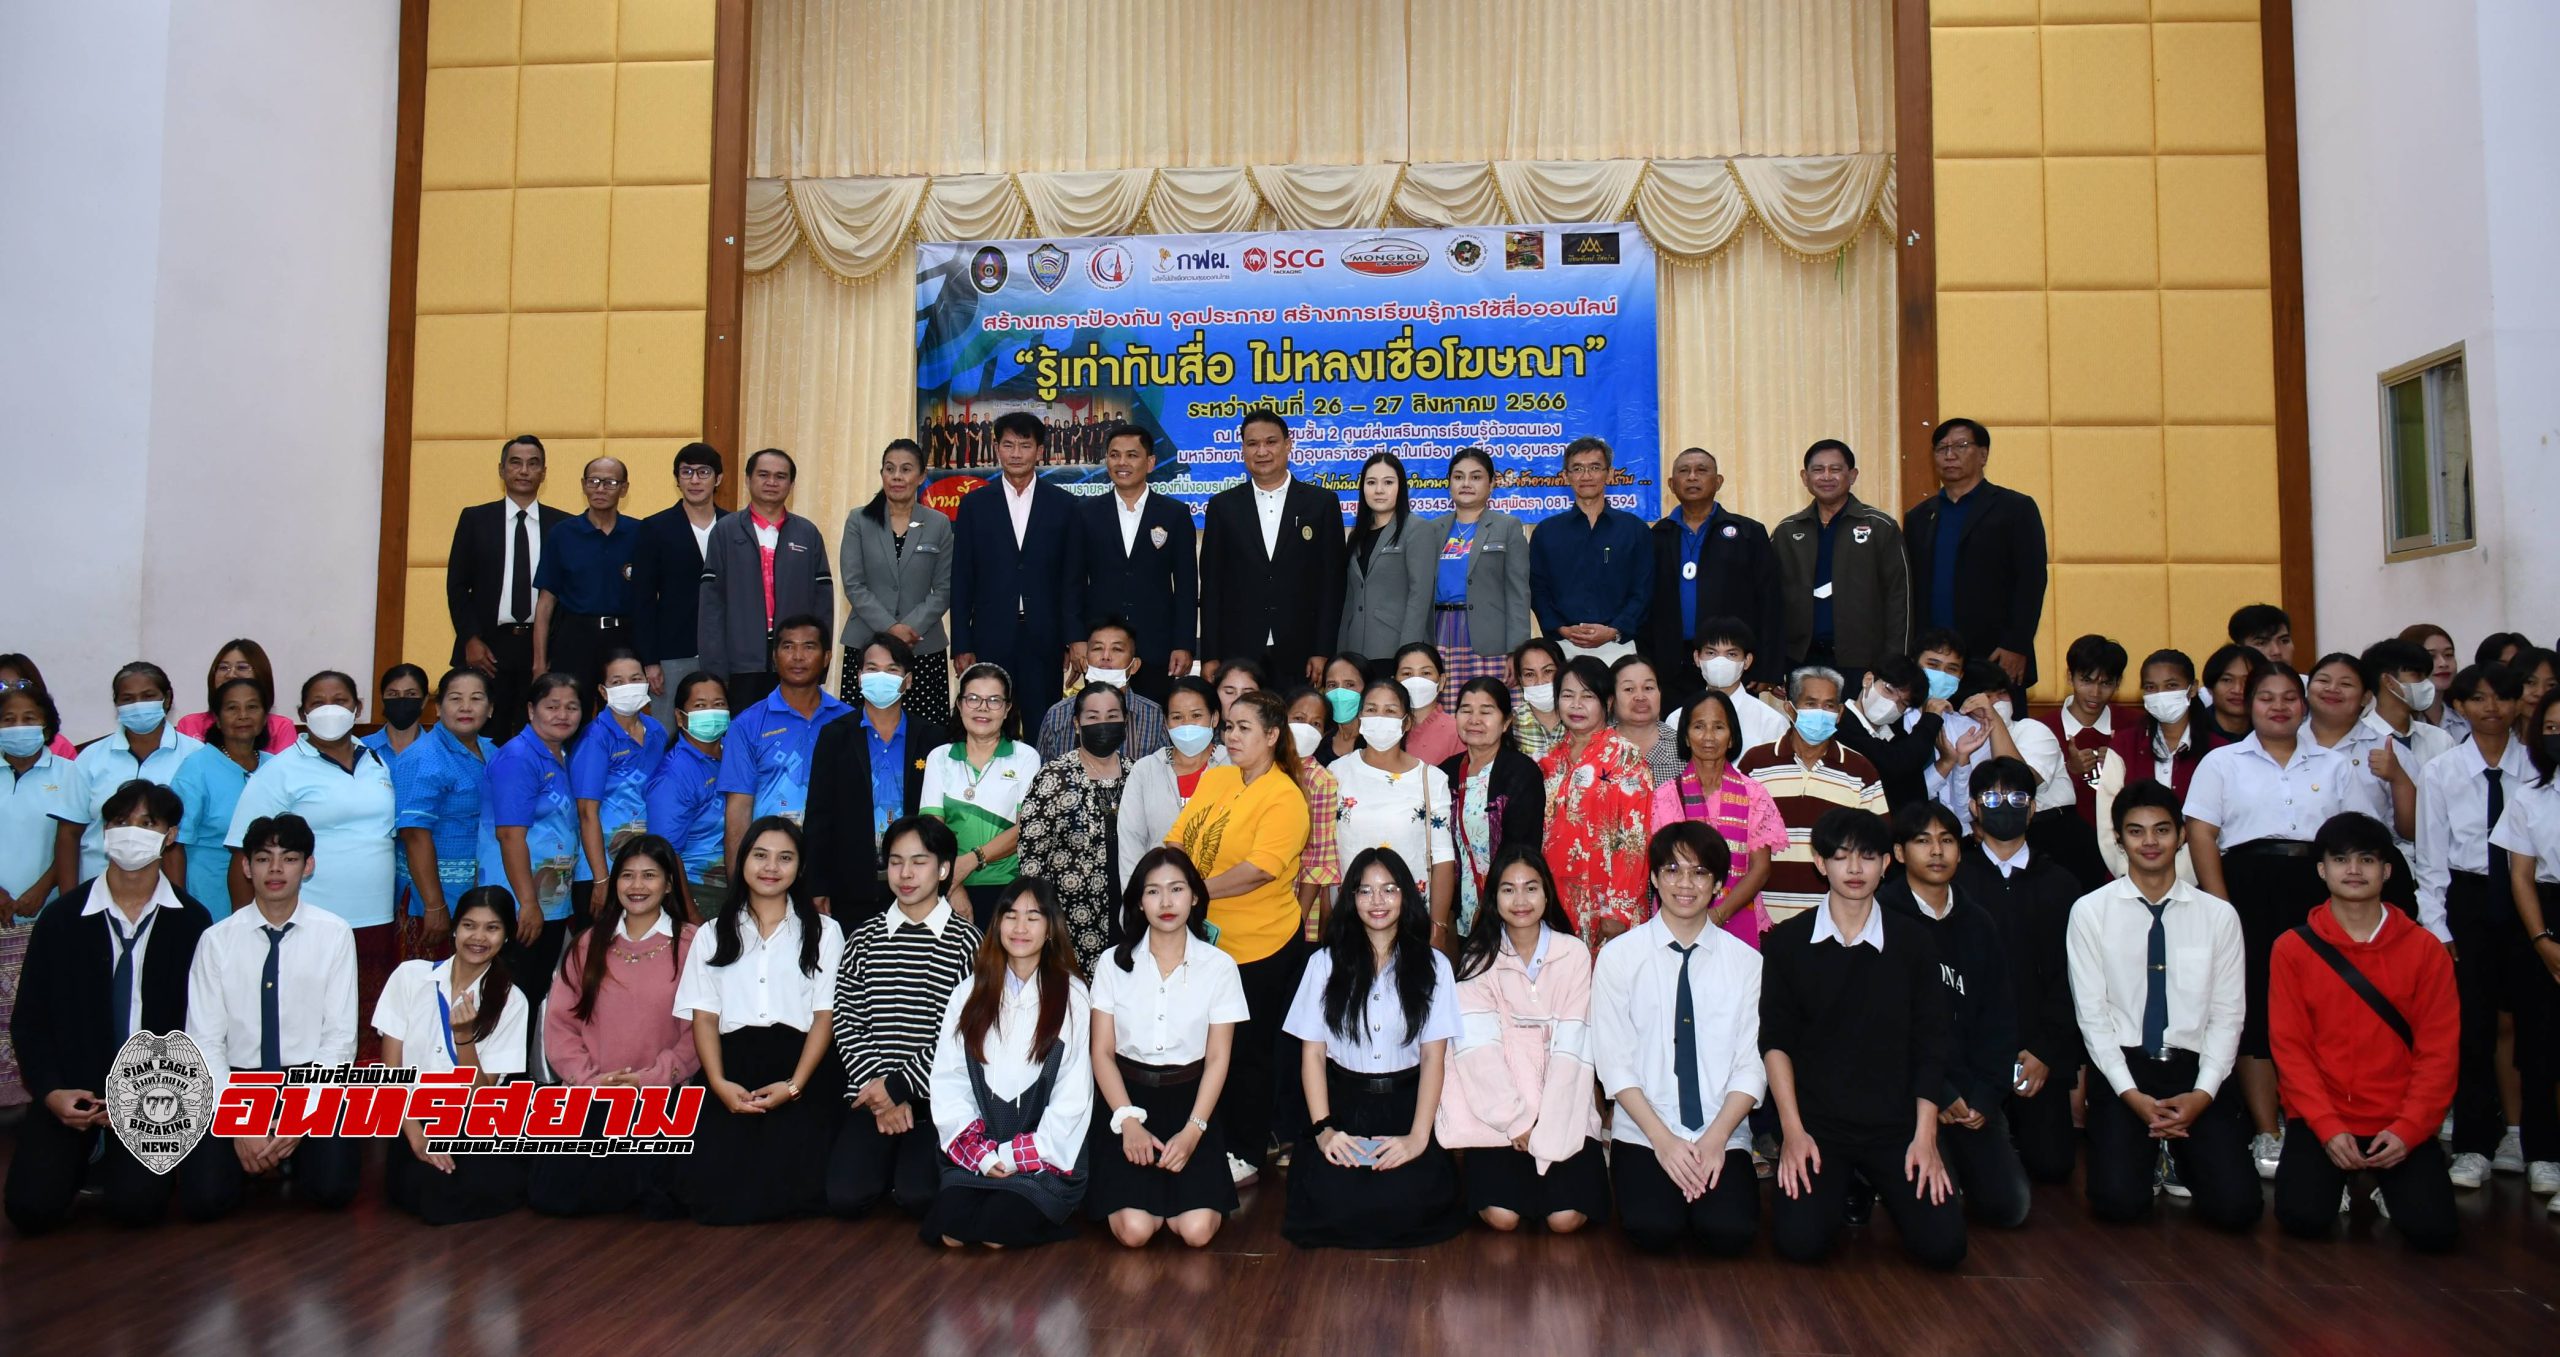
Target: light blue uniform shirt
{"x": 611, "y": 769}
{"x": 687, "y": 810}
{"x": 350, "y": 811}
{"x": 767, "y": 752}
{"x": 32, "y": 804}
{"x": 110, "y": 764}
{"x": 529, "y": 789}
{"x": 440, "y": 787}
{"x": 209, "y": 785}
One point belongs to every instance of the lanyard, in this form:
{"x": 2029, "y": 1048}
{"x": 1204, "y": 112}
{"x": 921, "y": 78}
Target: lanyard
{"x": 444, "y": 1011}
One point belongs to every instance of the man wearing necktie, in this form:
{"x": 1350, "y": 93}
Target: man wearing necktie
{"x": 488, "y": 582}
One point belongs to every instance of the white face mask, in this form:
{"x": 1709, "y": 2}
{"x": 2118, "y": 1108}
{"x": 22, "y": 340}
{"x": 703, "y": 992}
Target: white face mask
{"x": 1879, "y": 708}
{"x": 132, "y": 847}
{"x": 2003, "y": 710}
{"x": 2169, "y": 705}
{"x": 1720, "y": 671}
{"x": 1419, "y": 691}
{"x": 1541, "y": 696}
{"x": 1117, "y": 678}
{"x": 2419, "y": 695}
{"x": 329, "y": 723}
{"x": 1381, "y": 732}
{"x": 626, "y": 698}
{"x": 1306, "y": 737}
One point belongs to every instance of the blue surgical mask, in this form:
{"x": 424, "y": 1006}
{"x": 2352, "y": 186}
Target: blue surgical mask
{"x": 882, "y": 689}
{"x": 1190, "y": 739}
{"x": 142, "y": 718}
{"x": 20, "y": 742}
{"x": 1814, "y": 726}
{"x": 1942, "y": 685}
{"x": 1344, "y": 703}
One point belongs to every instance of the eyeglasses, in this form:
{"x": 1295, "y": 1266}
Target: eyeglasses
{"x": 2017, "y": 800}
{"x": 695, "y": 473}
{"x": 602, "y": 483}
{"x": 982, "y": 701}
{"x": 13, "y": 685}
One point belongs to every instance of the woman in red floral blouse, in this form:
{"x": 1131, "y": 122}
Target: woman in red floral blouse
{"x": 1599, "y": 793}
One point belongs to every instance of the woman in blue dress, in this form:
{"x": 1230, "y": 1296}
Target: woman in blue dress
{"x": 440, "y": 782}
{"x": 529, "y": 827}
{"x": 684, "y": 801}
{"x": 208, "y": 785}
{"x": 609, "y": 775}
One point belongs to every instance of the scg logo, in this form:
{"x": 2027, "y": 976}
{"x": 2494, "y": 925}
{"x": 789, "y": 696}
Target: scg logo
{"x": 1284, "y": 260}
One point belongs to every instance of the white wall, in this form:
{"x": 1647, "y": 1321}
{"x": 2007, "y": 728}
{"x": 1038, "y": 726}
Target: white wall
{"x": 2429, "y": 182}
{"x": 195, "y": 224}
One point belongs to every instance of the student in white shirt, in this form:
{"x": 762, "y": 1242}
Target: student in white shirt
{"x": 1682, "y": 1172}
{"x": 1376, "y": 1011}
{"x": 1013, "y": 1083}
{"x": 759, "y": 999}
{"x": 460, "y": 1013}
{"x": 1166, "y": 1002}
{"x": 274, "y": 986}
{"x": 2156, "y": 980}
{"x": 1394, "y": 801}
{"x": 2530, "y": 834}
{"x": 2337, "y": 690}
{"x": 1983, "y": 704}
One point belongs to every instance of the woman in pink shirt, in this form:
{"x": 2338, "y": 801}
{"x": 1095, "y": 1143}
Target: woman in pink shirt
{"x": 610, "y": 1023}
{"x": 1518, "y": 1100}
{"x": 1740, "y": 809}
{"x": 241, "y": 658}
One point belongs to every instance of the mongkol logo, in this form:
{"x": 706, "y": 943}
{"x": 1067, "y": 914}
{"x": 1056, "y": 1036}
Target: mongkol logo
{"x": 1385, "y": 258}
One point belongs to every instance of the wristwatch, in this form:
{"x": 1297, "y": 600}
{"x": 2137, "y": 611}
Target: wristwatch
{"x": 2547, "y": 935}
{"x": 793, "y": 1090}
{"x": 1198, "y": 1125}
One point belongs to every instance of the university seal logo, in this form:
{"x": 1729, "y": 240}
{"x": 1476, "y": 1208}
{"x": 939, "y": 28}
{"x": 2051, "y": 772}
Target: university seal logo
{"x": 159, "y": 1097}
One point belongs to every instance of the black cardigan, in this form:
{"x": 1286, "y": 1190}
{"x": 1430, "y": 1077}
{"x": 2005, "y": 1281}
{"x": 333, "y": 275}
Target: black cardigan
{"x": 2033, "y": 908}
{"x": 61, "y": 1026}
{"x": 1982, "y": 1026}
{"x": 843, "y": 863}
{"x": 1518, "y": 791}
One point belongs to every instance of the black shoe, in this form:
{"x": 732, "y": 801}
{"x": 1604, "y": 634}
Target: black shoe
{"x": 1861, "y": 1202}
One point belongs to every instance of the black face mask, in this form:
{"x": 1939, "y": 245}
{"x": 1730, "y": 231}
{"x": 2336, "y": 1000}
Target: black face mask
{"x": 400, "y": 713}
{"x": 2005, "y": 822}
{"x": 2551, "y": 751}
{"x": 1102, "y": 737}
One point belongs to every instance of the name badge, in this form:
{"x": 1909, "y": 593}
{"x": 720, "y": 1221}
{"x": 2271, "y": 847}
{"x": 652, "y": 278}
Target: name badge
{"x": 1688, "y": 570}
{"x": 1156, "y": 535}
{"x": 927, "y": 548}
{"x": 1494, "y": 546}
{"x": 1306, "y": 533}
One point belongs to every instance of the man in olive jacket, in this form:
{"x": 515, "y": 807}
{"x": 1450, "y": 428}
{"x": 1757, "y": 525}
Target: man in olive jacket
{"x": 1842, "y": 571}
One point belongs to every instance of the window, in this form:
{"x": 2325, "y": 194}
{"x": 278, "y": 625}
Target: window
{"x": 2426, "y": 456}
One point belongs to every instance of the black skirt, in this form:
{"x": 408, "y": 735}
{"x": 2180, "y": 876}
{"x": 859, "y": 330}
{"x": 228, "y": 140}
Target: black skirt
{"x": 481, "y": 1186}
{"x": 2273, "y": 894}
{"x": 1118, "y": 1185}
{"x": 1363, "y": 1208}
{"x": 1508, "y": 1179}
{"x": 595, "y": 1185}
{"x": 768, "y": 1165}
{"x": 990, "y": 1215}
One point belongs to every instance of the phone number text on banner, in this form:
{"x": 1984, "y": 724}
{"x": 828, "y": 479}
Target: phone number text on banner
{"x": 1517, "y": 340}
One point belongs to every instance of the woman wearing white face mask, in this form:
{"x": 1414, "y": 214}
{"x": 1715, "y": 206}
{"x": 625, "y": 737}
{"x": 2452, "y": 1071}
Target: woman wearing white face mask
{"x": 1434, "y": 736}
{"x": 609, "y": 773}
{"x": 1395, "y": 801}
{"x": 2167, "y": 743}
{"x": 144, "y": 745}
{"x": 1311, "y": 731}
{"x": 1535, "y": 666}
{"x": 865, "y": 773}
{"x": 1160, "y": 784}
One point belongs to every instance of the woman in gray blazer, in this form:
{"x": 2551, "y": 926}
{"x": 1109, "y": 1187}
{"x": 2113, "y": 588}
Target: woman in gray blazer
{"x": 1378, "y": 612}
{"x": 896, "y": 568}
{"x": 1482, "y": 614}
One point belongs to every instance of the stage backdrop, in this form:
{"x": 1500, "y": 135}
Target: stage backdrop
{"x": 1418, "y": 342}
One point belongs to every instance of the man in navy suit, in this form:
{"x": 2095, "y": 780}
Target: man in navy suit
{"x": 1138, "y": 562}
{"x": 1271, "y": 562}
{"x": 1015, "y": 572}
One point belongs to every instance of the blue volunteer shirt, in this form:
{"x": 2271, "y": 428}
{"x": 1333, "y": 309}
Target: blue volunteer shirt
{"x": 208, "y": 785}
{"x": 441, "y": 783}
{"x": 611, "y": 769}
{"x": 1582, "y": 572}
{"x": 350, "y": 811}
{"x": 587, "y": 568}
{"x": 767, "y": 751}
{"x": 686, "y": 808}
{"x": 529, "y": 790}
{"x": 31, "y": 804}
{"x": 1692, "y": 545}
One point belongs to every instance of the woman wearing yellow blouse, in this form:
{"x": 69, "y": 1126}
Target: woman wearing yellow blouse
{"x": 1246, "y": 827}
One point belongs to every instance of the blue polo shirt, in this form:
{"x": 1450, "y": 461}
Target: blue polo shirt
{"x": 31, "y": 804}
{"x": 587, "y": 568}
{"x": 1692, "y": 545}
{"x": 610, "y": 768}
{"x": 1942, "y": 557}
{"x": 209, "y": 784}
{"x": 351, "y": 813}
{"x": 107, "y": 765}
{"x": 529, "y": 790}
{"x": 1580, "y": 571}
{"x": 440, "y": 784}
{"x": 767, "y": 753}
{"x": 686, "y": 808}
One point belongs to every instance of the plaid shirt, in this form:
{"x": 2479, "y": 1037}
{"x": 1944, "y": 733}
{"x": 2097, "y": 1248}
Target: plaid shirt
{"x": 1320, "y": 863}
{"x": 1144, "y": 734}
{"x": 972, "y": 1150}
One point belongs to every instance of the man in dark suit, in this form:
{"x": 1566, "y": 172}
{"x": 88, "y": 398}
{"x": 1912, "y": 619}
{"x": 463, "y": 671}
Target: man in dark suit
{"x": 1978, "y": 557}
{"x": 1139, "y": 564}
{"x": 1015, "y": 568}
{"x": 488, "y": 582}
{"x": 1271, "y": 562}
{"x": 1709, "y": 561}
{"x": 666, "y": 578}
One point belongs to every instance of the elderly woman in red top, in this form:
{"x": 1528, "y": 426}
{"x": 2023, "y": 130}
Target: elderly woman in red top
{"x": 1599, "y": 795}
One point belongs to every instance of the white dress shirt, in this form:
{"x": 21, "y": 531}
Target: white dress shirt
{"x": 764, "y": 985}
{"x": 1635, "y": 1005}
{"x": 530, "y": 513}
{"x": 409, "y": 1013}
{"x": 2241, "y": 791}
{"x": 315, "y": 990}
{"x": 2036, "y": 746}
{"x": 1827, "y": 927}
{"x": 2009, "y": 867}
{"x": 1017, "y": 504}
{"x": 2109, "y": 945}
{"x": 163, "y": 896}
{"x": 2361, "y": 789}
{"x": 1129, "y": 515}
{"x": 1159, "y": 1019}
{"x": 1270, "y": 506}
{"x": 2453, "y": 822}
{"x": 2531, "y": 826}
{"x": 1386, "y": 1047}
{"x": 1009, "y": 1070}
{"x": 2424, "y": 744}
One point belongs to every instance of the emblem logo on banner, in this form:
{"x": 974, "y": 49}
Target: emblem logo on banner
{"x": 1048, "y": 267}
{"x": 1201, "y": 265}
{"x": 1109, "y": 267}
{"x": 1589, "y": 247}
{"x": 159, "y": 1097}
{"x": 987, "y": 269}
{"x": 1466, "y": 254}
{"x": 1385, "y": 258}
{"x": 1524, "y": 250}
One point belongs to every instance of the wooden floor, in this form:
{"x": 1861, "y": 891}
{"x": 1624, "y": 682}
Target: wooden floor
{"x": 273, "y": 1280}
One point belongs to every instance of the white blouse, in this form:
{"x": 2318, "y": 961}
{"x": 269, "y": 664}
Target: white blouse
{"x": 1159, "y": 1019}
{"x": 1385, "y": 1047}
{"x": 410, "y": 1013}
{"x": 1407, "y": 812}
{"x": 2240, "y": 791}
{"x": 1010, "y": 1069}
{"x": 764, "y": 985}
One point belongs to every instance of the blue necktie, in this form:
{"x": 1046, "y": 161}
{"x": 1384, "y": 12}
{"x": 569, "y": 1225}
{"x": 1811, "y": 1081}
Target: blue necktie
{"x": 1684, "y": 1047}
{"x": 270, "y": 1015}
{"x": 2155, "y": 998}
{"x": 120, "y": 1004}
{"x": 2497, "y": 807}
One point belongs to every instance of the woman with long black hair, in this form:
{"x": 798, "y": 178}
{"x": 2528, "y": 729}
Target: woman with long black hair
{"x": 1376, "y": 1011}
{"x": 458, "y": 1013}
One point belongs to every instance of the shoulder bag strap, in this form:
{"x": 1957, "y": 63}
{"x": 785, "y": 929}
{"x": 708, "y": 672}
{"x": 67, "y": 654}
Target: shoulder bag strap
{"x": 2373, "y": 998}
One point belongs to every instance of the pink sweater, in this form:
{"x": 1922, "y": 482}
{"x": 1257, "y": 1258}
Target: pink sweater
{"x": 634, "y": 1028}
{"x": 1523, "y": 1061}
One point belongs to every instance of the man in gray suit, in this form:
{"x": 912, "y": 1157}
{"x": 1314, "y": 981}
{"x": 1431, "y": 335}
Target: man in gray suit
{"x": 1475, "y": 588}
{"x": 759, "y": 565}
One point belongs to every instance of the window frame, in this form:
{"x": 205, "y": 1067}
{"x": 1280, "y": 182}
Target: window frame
{"x": 2434, "y": 542}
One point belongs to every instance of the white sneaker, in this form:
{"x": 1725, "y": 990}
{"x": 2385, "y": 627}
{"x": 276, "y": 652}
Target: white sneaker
{"x": 2554, "y": 1208}
{"x": 2542, "y": 1177}
{"x": 2379, "y": 1204}
{"x": 2510, "y": 1155}
{"x": 2445, "y": 1131}
{"x": 1246, "y": 1176}
{"x": 2469, "y": 1170}
{"x": 2346, "y": 1197}
{"x": 2266, "y": 1150}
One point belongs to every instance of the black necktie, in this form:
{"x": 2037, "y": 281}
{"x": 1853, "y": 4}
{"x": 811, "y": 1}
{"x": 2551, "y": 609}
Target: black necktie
{"x": 2497, "y": 807}
{"x": 270, "y": 1013}
{"x": 120, "y": 1004}
{"x": 2155, "y": 998}
{"x": 520, "y": 585}
{"x": 1684, "y": 1047}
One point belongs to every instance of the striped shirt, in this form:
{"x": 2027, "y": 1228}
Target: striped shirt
{"x": 896, "y": 978}
{"x": 1843, "y": 778}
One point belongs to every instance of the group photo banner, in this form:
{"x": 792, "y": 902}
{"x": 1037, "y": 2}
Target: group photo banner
{"x": 1515, "y": 339}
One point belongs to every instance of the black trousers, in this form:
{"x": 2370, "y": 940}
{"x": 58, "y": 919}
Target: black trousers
{"x": 533, "y": 966}
{"x": 2213, "y": 1157}
{"x": 324, "y": 1170}
{"x": 52, "y": 1164}
{"x": 2416, "y": 1191}
{"x": 864, "y": 1165}
{"x": 579, "y": 643}
{"x": 2494, "y": 972}
{"x": 1986, "y": 1164}
{"x": 2041, "y": 1128}
{"x": 1722, "y": 1222}
{"x": 1264, "y": 1096}
{"x": 511, "y": 647}
{"x": 1805, "y": 1228}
